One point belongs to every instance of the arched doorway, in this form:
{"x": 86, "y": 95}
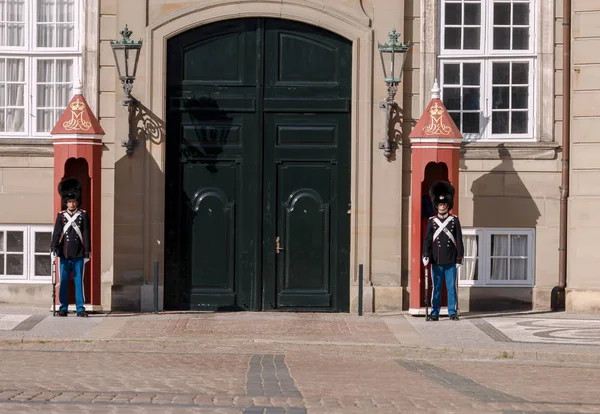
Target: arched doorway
{"x": 258, "y": 167}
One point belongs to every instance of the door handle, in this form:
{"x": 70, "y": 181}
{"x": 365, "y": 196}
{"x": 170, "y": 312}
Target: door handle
{"x": 278, "y": 247}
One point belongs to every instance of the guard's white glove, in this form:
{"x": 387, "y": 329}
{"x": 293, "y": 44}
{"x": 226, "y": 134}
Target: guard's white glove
{"x": 458, "y": 265}
{"x": 425, "y": 261}
{"x": 53, "y": 256}
{"x": 85, "y": 260}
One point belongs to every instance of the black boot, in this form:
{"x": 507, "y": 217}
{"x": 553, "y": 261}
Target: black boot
{"x": 434, "y": 318}
{"x": 62, "y": 313}
{"x": 454, "y": 317}
{"x": 82, "y": 314}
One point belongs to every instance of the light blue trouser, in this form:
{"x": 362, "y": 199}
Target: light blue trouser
{"x": 439, "y": 273}
{"x": 66, "y": 266}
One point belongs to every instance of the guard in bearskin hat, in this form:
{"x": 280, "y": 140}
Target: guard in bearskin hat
{"x": 71, "y": 244}
{"x": 443, "y": 247}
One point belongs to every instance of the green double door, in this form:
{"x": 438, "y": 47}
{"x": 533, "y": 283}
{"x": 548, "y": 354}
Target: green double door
{"x": 258, "y": 168}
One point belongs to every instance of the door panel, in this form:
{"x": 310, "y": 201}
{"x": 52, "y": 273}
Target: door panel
{"x": 258, "y": 147}
{"x": 304, "y": 224}
{"x": 213, "y": 167}
{"x": 306, "y": 168}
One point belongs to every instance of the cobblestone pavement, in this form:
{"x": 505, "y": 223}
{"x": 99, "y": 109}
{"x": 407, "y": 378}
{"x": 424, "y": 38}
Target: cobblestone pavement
{"x": 281, "y": 363}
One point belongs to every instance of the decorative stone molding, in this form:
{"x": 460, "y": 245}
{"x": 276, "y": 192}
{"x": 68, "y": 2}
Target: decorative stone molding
{"x": 26, "y": 147}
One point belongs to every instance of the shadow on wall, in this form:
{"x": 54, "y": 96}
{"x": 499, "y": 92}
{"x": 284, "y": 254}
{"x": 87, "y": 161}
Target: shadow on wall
{"x": 129, "y": 210}
{"x": 501, "y": 200}
{"x": 203, "y": 129}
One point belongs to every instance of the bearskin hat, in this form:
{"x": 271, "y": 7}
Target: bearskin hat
{"x": 69, "y": 189}
{"x": 442, "y": 192}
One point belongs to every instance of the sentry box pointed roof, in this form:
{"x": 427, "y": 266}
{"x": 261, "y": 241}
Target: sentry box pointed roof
{"x": 78, "y": 118}
{"x": 435, "y": 121}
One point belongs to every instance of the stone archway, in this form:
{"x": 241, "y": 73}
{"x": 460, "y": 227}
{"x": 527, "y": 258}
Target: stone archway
{"x": 353, "y": 25}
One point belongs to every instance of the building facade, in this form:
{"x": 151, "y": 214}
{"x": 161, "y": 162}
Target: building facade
{"x": 258, "y": 128}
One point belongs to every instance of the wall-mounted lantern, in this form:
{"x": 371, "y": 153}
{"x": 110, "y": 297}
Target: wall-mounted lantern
{"x": 127, "y": 53}
{"x": 393, "y": 57}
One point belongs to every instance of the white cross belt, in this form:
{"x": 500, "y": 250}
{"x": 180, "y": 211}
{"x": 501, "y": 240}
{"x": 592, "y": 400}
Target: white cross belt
{"x": 443, "y": 228}
{"x": 71, "y": 223}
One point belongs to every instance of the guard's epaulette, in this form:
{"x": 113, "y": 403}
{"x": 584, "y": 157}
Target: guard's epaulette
{"x": 83, "y": 211}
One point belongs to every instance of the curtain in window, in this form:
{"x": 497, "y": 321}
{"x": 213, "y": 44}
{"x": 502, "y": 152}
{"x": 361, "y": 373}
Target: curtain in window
{"x": 518, "y": 253}
{"x": 12, "y": 23}
{"x": 54, "y": 90}
{"x": 15, "y": 95}
{"x": 55, "y": 27}
{"x": 499, "y": 264}
{"x": 469, "y": 270}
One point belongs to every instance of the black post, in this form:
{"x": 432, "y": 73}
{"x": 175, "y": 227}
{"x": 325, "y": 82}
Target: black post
{"x": 360, "y": 290}
{"x": 155, "y": 287}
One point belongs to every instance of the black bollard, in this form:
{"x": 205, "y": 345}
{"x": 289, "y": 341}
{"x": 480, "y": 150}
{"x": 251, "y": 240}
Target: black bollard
{"x": 360, "y": 290}
{"x": 155, "y": 287}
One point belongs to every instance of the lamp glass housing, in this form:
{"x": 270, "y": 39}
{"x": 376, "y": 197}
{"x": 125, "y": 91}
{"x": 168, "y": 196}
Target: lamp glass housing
{"x": 393, "y": 57}
{"x": 127, "y": 54}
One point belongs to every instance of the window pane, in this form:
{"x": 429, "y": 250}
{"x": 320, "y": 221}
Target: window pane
{"x": 501, "y": 38}
{"x": 45, "y": 11}
{"x": 453, "y": 38}
{"x": 14, "y": 241}
{"x": 64, "y": 35}
{"x": 65, "y": 10}
{"x": 499, "y": 122}
{"x": 519, "y": 123}
{"x": 44, "y": 120}
{"x": 471, "y": 99}
{"x": 14, "y": 264}
{"x": 471, "y": 74}
{"x": 56, "y": 25}
{"x": 500, "y": 73}
{"x": 520, "y": 73}
{"x": 15, "y": 35}
{"x": 521, "y": 14}
{"x": 15, "y": 120}
{"x": 456, "y": 118}
{"x": 2, "y": 265}
{"x": 42, "y": 266}
{"x": 518, "y": 245}
{"x": 471, "y": 38}
{"x": 54, "y": 92}
{"x": 45, "y": 97}
{"x": 502, "y": 14}
{"x": 1, "y": 241}
{"x": 45, "y": 35}
{"x": 45, "y": 70}
{"x": 500, "y": 97}
{"x": 15, "y": 70}
{"x": 518, "y": 269}
{"x": 471, "y": 123}
{"x": 499, "y": 269}
{"x": 452, "y": 98}
{"x": 42, "y": 241}
{"x": 520, "y": 97}
{"x": 499, "y": 245}
{"x": 64, "y": 70}
{"x": 520, "y": 38}
{"x": 469, "y": 269}
{"x": 453, "y": 13}
{"x": 2, "y": 120}
{"x": 452, "y": 74}
{"x": 473, "y": 13}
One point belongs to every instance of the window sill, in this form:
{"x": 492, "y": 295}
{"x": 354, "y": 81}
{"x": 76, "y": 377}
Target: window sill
{"x": 512, "y": 150}
{"x": 26, "y": 147}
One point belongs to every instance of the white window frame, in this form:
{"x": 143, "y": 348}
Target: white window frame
{"x": 31, "y": 53}
{"x": 28, "y": 275}
{"x": 486, "y": 55}
{"x": 484, "y": 258}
